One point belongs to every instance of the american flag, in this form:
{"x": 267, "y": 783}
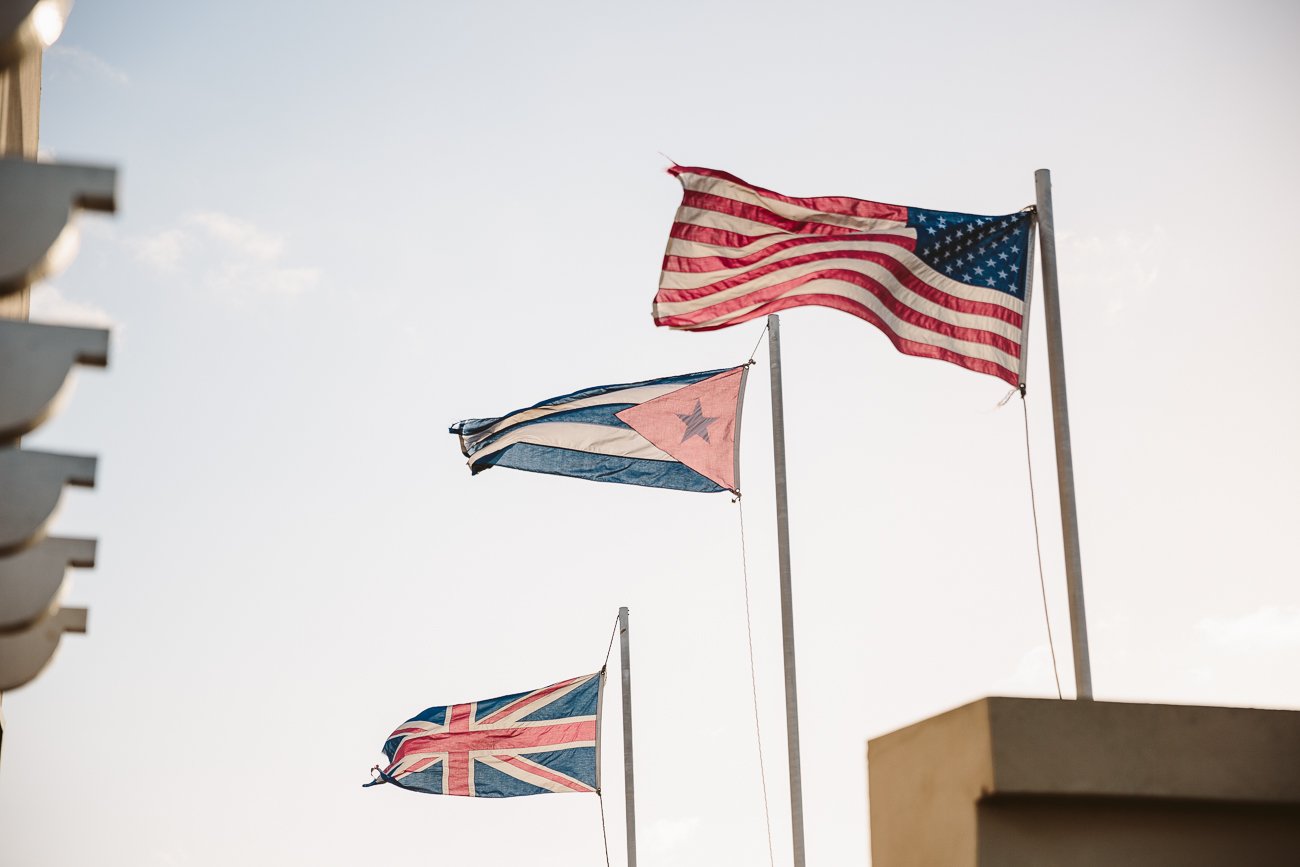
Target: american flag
{"x": 529, "y": 743}
{"x": 939, "y": 284}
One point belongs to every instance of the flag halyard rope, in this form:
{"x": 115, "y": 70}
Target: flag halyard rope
{"x": 610, "y": 649}
{"x": 603, "y": 833}
{"x": 1038, "y": 546}
{"x": 753, "y": 678}
{"x": 600, "y": 795}
{"x": 758, "y": 342}
{"x": 749, "y": 635}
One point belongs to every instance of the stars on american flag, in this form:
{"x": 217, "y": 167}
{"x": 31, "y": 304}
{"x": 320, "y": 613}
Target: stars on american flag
{"x": 982, "y": 251}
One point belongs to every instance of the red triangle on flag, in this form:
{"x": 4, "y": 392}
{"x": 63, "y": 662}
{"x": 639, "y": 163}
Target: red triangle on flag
{"x": 697, "y": 424}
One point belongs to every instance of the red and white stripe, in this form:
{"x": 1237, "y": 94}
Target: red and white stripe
{"x": 737, "y": 252}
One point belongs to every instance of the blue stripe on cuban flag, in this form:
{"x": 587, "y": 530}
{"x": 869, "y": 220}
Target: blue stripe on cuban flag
{"x": 580, "y": 435}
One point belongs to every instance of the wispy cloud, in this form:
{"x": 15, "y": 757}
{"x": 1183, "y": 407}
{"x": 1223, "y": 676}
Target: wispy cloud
{"x": 162, "y": 250}
{"x": 1272, "y": 627}
{"x": 241, "y": 278}
{"x": 670, "y": 835}
{"x": 82, "y": 63}
{"x": 172, "y": 858}
{"x": 1032, "y": 677}
{"x": 49, "y": 304}
{"x": 1119, "y": 268}
{"x": 227, "y": 254}
{"x": 240, "y": 235}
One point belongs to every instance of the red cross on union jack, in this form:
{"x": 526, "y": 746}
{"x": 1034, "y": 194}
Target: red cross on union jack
{"x": 533, "y": 742}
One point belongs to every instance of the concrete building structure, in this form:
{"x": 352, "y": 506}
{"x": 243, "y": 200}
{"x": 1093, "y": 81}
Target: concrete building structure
{"x": 1013, "y": 781}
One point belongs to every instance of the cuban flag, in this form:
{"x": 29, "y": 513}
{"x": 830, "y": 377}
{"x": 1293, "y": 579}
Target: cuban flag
{"x": 677, "y": 432}
{"x": 529, "y": 743}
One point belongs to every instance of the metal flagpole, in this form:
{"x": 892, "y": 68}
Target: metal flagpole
{"x": 629, "y": 800}
{"x": 787, "y": 607}
{"x": 1061, "y": 424}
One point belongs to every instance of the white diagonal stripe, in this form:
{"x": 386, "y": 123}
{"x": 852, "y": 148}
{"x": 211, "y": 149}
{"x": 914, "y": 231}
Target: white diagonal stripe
{"x": 526, "y": 708}
{"x": 534, "y": 779}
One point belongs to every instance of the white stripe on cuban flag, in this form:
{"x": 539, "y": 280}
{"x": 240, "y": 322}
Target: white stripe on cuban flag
{"x": 632, "y": 394}
{"x": 596, "y": 439}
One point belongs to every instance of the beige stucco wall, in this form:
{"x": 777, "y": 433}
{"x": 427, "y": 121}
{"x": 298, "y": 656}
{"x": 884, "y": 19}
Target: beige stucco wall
{"x": 1012, "y": 782}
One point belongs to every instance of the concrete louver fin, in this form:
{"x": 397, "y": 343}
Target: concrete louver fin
{"x": 40, "y": 234}
{"x": 32, "y": 581}
{"x": 25, "y": 654}
{"x": 35, "y": 362}
{"x": 33, "y": 484}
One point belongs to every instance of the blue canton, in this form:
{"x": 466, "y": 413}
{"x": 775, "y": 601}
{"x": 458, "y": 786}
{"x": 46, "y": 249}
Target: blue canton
{"x": 991, "y": 252}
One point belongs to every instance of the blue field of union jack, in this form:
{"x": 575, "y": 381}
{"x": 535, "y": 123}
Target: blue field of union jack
{"x": 529, "y": 743}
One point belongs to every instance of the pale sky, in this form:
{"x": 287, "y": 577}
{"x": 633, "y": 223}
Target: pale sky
{"x": 343, "y": 227}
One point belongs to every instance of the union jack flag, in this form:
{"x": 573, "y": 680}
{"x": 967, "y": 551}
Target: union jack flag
{"x": 529, "y": 743}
